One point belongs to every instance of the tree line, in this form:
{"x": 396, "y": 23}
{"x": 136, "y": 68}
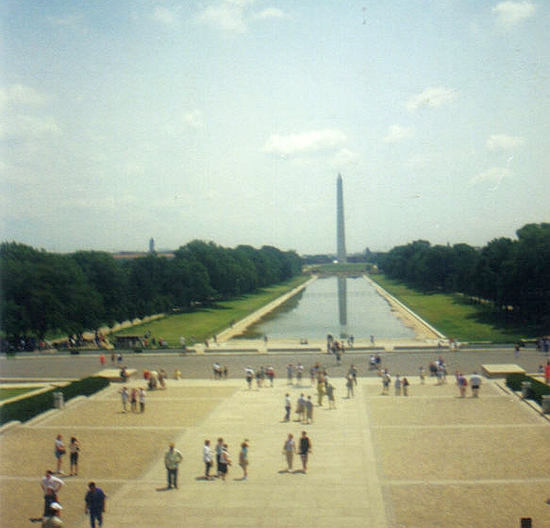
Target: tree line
{"x": 511, "y": 274}
{"x": 45, "y": 293}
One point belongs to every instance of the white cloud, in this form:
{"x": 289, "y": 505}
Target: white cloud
{"x": 165, "y": 16}
{"x": 270, "y": 12}
{"x": 20, "y": 95}
{"x": 397, "y": 133}
{"x": 494, "y": 174}
{"x": 27, "y": 126}
{"x": 315, "y": 140}
{"x": 194, "y": 119}
{"x": 431, "y": 97}
{"x": 226, "y": 15}
{"x": 503, "y": 142}
{"x": 345, "y": 157}
{"x": 509, "y": 14}
{"x": 234, "y": 16}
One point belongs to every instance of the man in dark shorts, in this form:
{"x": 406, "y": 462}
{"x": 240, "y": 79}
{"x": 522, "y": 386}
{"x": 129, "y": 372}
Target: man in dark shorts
{"x": 305, "y": 450}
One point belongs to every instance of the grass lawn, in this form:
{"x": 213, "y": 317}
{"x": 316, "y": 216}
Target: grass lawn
{"x": 6, "y": 394}
{"x": 453, "y": 316}
{"x": 204, "y": 323}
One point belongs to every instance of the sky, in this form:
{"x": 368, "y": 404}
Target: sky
{"x": 230, "y": 120}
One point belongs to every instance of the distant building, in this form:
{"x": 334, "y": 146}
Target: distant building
{"x": 152, "y": 245}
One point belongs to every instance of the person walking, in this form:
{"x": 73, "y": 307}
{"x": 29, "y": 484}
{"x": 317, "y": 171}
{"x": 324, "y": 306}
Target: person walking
{"x": 289, "y": 447}
{"x": 59, "y": 450}
{"x": 207, "y": 459}
{"x": 475, "y": 383}
{"x": 52, "y": 518}
{"x": 305, "y": 450}
{"x": 243, "y": 459}
{"x": 74, "y": 450}
{"x": 172, "y": 460}
{"x": 309, "y": 410}
{"x": 95, "y": 504}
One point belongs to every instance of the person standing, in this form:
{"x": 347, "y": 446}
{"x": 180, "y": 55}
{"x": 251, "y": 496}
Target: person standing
{"x": 124, "y": 397}
{"x": 141, "y": 399}
{"x": 207, "y": 459}
{"x": 59, "y": 450}
{"x": 225, "y": 461}
{"x": 289, "y": 447}
{"x": 219, "y": 449}
{"x": 243, "y": 459}
{"x": 305, "y": 450}
{"x": 288, "y": 407}
{"x": 95, "y": 504}
{"x": 74, "y": 450}
{"x": 547, "y": 373}
{"x": 49, "y": 481}
{"x": 309, "y": 409}
{"x": 172, "y": 460}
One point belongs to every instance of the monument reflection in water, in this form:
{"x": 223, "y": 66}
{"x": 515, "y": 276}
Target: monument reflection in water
{"x": 334, "y": 305}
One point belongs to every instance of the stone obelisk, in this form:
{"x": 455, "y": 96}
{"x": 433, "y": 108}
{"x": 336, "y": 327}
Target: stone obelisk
{"x": 341, "y": 231}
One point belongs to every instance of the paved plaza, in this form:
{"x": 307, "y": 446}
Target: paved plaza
{"x": 427, "y": 460}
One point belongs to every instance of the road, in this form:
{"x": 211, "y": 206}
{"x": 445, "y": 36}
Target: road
{"x": 199, "y": 366}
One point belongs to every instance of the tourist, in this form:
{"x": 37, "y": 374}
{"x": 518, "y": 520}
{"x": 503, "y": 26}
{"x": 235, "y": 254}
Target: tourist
{"x": 133, "y": 399}
{"x": 124, "y": 396}
{"x": 305, "y": 450}
{"x": 49, "y": 481}
{"x": 243, "y": 459}
{"x": 405, "y": 384}
{"x": 219, "y": 450}
{"x": 475, "y": 383}
{"x": 207, "y": 459}
{"x": 386, "y": 380}
{"x": 172, "y": 460}
{"x": 249, "y": 374}
{"x": 330, "y": 396}
{"x": 225, "y": 462}
{"x": 309, "y": 410}
{"x": 289, "y": 373}
{"x": 288, "y": 407}
{"x": 397, "y": 385}
{"x": 74, "y": 450}
{"x": 462, "y": 383}
{"x": 289, "y": 447}
{"x": 141, "y": 399}
{"x": 320, "y": 391}
{"x": 301, "y": 408}
{"x": 52, "y": 518}
{"x": 547, "y": 373}
{"x": 95, "y": 504}
{"x": 59, "y": 451}
{"x": 349, "y": 386}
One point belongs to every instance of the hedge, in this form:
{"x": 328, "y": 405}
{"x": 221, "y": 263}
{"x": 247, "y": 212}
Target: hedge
{"x": 27, "y": 408}
{"x": 537, "y": 390}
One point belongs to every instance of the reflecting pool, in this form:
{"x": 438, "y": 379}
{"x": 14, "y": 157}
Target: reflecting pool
{"x": 333, "y": 305}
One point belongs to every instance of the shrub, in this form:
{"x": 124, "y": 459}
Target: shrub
{"x": 537, "y": 390}
{"x": 27, "y": 408}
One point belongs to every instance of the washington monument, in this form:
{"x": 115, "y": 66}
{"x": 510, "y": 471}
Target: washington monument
{"x": 340, "y": 227}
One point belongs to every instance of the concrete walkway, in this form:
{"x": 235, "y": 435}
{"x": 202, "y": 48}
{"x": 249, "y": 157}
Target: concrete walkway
{"x": 424, "y": 461}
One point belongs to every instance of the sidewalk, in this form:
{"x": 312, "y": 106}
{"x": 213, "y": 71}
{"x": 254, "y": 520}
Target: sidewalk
{"x": 429, "y": 460}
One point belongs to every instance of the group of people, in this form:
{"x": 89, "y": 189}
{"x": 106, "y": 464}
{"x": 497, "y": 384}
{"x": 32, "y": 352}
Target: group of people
{"x": 134, "y": 397}
{"x": 221, "y": 454}
{"x": 261, "y": 374}
{"x": 303, "y": 449}
{"x": 51, "y": 486}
